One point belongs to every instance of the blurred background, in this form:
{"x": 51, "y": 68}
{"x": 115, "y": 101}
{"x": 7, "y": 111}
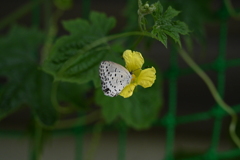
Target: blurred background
{"x": 204, "y": 137}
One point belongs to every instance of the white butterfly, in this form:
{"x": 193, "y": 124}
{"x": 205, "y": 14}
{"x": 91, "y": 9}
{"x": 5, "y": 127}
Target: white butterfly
{"x": 114, "y": 78}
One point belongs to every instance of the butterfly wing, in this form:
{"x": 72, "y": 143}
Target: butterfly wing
{"x": 114, "y": 78}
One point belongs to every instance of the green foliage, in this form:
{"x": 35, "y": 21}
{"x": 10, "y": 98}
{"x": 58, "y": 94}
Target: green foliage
{"x": 26, "y": 84}
{"x": 164, "y": 23}
{"x": 74, "y": 58}
{"x": 195, "y": 15}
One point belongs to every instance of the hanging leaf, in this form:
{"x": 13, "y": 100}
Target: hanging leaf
{"x": 74, "y": 58}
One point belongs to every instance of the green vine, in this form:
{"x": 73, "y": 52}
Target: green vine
{"x": 215, "y": 94}
{"x": 233, "y": 13}
{"x": 51, "y": 33}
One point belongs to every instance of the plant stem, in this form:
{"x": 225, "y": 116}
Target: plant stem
{"x": 96, "y": 137}
{"x": 51, "y": 33}
{"x": 215, "y": 94}
{"x": 54, "y": 94}
{"x": 79, "y": 121}
{"x": 231, "y": 10}
{"x": 74, "y": 122}
{"x": 37, "y": 142}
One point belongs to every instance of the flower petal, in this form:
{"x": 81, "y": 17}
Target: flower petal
{"x": 147, "y": 77}
{"x": 134, "y": 61}
{"x": 128, "y": 90}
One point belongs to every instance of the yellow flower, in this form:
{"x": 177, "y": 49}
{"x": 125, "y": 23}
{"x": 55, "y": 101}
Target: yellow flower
{"x": 144, "y": 78}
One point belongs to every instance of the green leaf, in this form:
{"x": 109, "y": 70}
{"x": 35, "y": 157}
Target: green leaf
{"x": 74, "y": 58}
{"x": 26, "y": 85}
{"x": 102, "y": 24}
{"x": 164, "y": 23}
{"x": 138, "y": 111}
{"x": 195, "y": 15}
{"x": 160, "y": 35}
{"x": 77, "y": 26}
{"x": 170, "y": 13}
